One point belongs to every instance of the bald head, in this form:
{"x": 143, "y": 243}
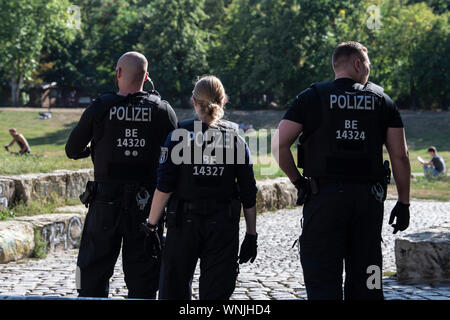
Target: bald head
{"x": 131, "y": 70}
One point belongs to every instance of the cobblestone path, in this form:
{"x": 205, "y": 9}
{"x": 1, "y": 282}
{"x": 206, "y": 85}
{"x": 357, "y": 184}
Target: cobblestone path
{"x": 276, "y": 273}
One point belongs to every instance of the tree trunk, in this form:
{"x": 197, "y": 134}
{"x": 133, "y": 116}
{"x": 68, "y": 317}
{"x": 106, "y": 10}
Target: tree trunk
{"x": 412, "y": 94}
{"x": 444, "y": 103}
{"x": 16, "y": 84}
{"x": 14, "y": 91}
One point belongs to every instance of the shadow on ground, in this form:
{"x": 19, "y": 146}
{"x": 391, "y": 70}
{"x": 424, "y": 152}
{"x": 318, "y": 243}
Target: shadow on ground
{"x": 57, "y": 137}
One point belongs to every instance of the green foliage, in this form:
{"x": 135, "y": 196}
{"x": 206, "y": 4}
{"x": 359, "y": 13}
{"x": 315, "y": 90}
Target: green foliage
{"x": 265, "y": 51}
{"x": 6, "y": 214}
{"x": 36, "y": 207}
{"x": 277, "y": 48}
{"x": 25, "y": 25}
{"x": 175, "y": 45}
{"x": 39, "y": 251}
{"x": 410, "y": 57}
{"x": 108, "y": 29}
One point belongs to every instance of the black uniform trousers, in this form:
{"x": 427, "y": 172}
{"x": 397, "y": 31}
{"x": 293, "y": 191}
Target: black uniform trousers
{"x": 214, "y": 239}
{"x": 112, "y": 222}
{"x": 342, "y": 223}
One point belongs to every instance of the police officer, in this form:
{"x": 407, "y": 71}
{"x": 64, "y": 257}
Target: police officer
{"x": 205, "y": 169}
{"x": 125, "y": 131}
{"x": 344, "y": 124}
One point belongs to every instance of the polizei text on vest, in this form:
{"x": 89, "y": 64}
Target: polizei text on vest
{"x": 131, "y": 113}
{"x": 352, "y": 102}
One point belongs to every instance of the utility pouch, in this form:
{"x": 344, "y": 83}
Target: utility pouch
{"x": 387, "y": 170}
{"x": 88, "y": 195}
{"x": 314, "y": 186}
{"x": 387, "y": 178}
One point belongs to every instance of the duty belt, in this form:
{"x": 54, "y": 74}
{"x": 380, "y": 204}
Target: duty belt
{"x": 127, "y": 192}
{"x": 323, "y": 181}
{"x": 205, "y": 207}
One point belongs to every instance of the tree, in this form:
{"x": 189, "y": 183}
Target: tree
{"x": 277, "y": 48}
{"x": 431, "y": 64}
{"x": 412, "y": 40}
{"x": 175, "y": 45}
{"x": 259, "y": 48}
{"x": 25, "y": 25}
{"x": 108, "y": 29}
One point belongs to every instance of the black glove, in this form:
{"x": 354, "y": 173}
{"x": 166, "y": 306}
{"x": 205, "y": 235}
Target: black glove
{"x": 401, "y": 212}
{"x": 248, "y": 248}
{"x": 303, "y": 190}
{"x": 152, "y": 244}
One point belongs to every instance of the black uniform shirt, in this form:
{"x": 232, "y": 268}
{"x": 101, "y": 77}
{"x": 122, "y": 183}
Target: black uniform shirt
{"x": 438, "y": 163}
{"x": 306, "y": 109}
{"x": 90, "y": 125}
{"x": 168, "y": 174}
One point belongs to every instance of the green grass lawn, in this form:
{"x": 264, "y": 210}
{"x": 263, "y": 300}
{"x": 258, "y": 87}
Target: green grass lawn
{"x": 47, "y": 139}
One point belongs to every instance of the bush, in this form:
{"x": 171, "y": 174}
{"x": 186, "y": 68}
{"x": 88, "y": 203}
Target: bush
{"x": 6, "y": 214}
{"x": 39, "y": 251}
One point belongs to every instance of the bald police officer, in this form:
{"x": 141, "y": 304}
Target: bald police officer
{"x": 126, "y": 131}
{"x": 343, "y": 125}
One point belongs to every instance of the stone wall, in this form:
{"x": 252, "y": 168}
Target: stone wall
{"x": 425, "y": 255}
{"x": 58, "y": 231}
{"x": 63, "y": 231}
{"x": 16, "y": 240}
{"x": 62, "y": 183}
{"x": 272, "y": 194}
{"x": 275, "y": 194}
{"x": 6, "y": 192}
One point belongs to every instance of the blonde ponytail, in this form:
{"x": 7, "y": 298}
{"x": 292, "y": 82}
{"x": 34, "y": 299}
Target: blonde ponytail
{"x": 209, "y": 94}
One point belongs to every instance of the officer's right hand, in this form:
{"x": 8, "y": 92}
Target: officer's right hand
{"x": 152, "y": 244}
{"x": 401, "y": 212}
{"x": 303, "y": 190}
{"x": 248, "y": 248}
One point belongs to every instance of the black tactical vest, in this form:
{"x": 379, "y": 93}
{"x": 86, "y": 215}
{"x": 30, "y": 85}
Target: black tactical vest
{"x": 348, "y": 144}
{"x": 122, "y": 149}
{"x": 212, "y": 177}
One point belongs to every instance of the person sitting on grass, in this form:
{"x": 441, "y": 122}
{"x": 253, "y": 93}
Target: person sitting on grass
{"x": 436, "y": 166}
{"x": 21, "y": 141}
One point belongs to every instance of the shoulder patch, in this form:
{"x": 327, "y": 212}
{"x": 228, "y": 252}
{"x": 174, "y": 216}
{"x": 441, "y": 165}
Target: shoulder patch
{"x": 163, "y": 155}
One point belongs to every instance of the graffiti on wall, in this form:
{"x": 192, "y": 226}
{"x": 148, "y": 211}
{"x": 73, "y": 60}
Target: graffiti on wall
{"x": 59, "y": 236}
{"x": 3, "y": 200}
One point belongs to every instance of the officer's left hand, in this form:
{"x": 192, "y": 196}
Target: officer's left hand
{"x": 152, "y": 242}
{"x": 401, "y": 212}
{"x": 248, "y": 248}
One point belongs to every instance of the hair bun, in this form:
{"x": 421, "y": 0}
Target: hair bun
{"x": 215, "y": 111}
